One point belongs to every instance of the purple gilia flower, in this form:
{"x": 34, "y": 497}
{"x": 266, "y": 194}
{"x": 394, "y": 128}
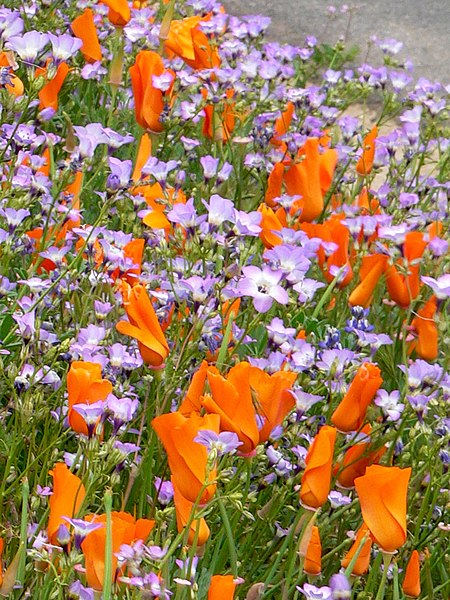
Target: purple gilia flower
{"x": 159, "y": 169}
{"x": 440, "y": 286}
{"x": 278, "y": 333}
{"x": 64, "y": 46}
{"x": 164, "y": 490}
{"x": 122, "y": 409}
{"x": 90, "y": 137}
{"x": 389, "y": 404}
{"x": 220, "y": 210}
{"x": 225, "y": 442}
{"x": 337, "y": 499}
{"x": 28, "y": 45}
{"x": 311, "y": 592}
{"x": 81, "y": 529}
{"x": 120, "y": 173}
{"x": 77, "y": 590}
{"x": 262, "y": 286}
{"x": 91, "y": 413}
{"x": 341, "y": 588}
{"x": 209, "y": 166}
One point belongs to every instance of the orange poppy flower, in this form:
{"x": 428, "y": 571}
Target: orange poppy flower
{"x": 316, "y": 479}
{"x": 411, "y": 582}
{"x": 232, "y": 400}
{"x": 219, "y": 126}
{"x": 405, "y": 288}
{"x": 187, "y": 40}
{"x": 198, "y": 528}
{"x": 426, "y": 345}
{"x": 133, "y": 251}
{"x": 275, "y": 184}
{"x": 271, "y": 222}
{"x": 125, "y": 530}
{"x": 85, "y": 386}
{"x": 83, "y": 27}
{"x": 48, "y": 96}
{"x": 187, "y": 459}
{"x": 272, "y": 399}
{"x": 303, "y": 179}
{"x": 221, "y": 587}
{"x": 365, "y": 162}
{"x": 143, "y": 325}
{"x": 372, "y": 267}
{"x": 382, "y": 495}
{"x": 362, "y": 563}
{"x": 351, "y": 412}
{"x": 192, "y": 401}
{"x": 246, "y": 397}
{"x": 16, "y": 86}
{"x": 144, "y": 153}
{"x": 148, "y": 100}
{"x": 313, "y": 558}
{"x": 119, "y": 12}
{"x": 66, "y": 500}
{"x": 356, "y": 459}
{"x": 282, "y": 125}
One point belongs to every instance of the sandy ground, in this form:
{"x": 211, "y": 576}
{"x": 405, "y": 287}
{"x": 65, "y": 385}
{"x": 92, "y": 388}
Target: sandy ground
{"x": 422, "y": 26}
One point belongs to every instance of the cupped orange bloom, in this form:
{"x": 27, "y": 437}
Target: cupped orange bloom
{"x": 316, "y": 479}
{"x": 351, "y": 412}
{"x": 307, "y": 177}
{"x": 16, "y": 87}
{"x": 249, "y": 401}
{"x": 282, "y": 125}
{"x": 411, "y": 582}
{"x": 382, "y": 493}
{"x": 404, "y": 288}
{"x": 271, "y": 222}
{"x": 356, "y": 459}
{"x": 48, "y": 96}
{"x": 199, "y": 531}
{"x": 66, "y": 500}
{"x": 362, "y": 563}
{"x": 189, "y": 42}
{"x": 365, "y": 162}
{"x": 332, "y": 230}
{"x": 143, "y": 325}
{"x": 119, "y": 12}
{"x": 192, "y": 401}
{"x": 219, "y": 125}
{"x": 313, "y": 558}
{"x": 125, "y": 530}
{"x": 188, "y": 459}
{"x": 221, "y": 587}
{"x": 275, "y": 184}
{"x": 273, "y": 401}
{"x": 148, "y": 100}
{"x": 231, "y": 399}
{"x": 372, "y": 267}
{"x": 133, "y": 251}
{"x": 85, "y": 386}
{"x": 426, "y": 345}
{"x": 83, "y": 27}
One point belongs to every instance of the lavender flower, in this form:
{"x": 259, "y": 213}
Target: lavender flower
{"x": 225, "y": 442}
{"x": 440, "y": 286}
{"x": 262, "y": 286}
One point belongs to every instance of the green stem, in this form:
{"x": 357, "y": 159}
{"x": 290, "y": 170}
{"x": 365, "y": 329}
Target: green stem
{"x": 107, "y": 580}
